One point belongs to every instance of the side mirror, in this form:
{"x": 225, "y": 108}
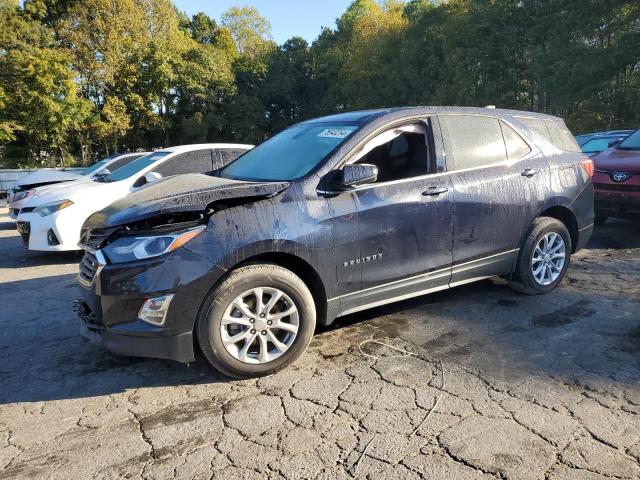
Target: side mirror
{"x": 614, "y": 143}
{"x": 148, "y": 178}
{"x": 152, "y": 177}
{"x": 354, "y": 175}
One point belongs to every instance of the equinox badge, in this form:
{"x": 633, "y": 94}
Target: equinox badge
{"x": 366, "y": 259}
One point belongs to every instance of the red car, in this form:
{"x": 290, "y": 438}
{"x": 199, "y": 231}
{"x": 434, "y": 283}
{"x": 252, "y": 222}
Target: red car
{"x": 617, "y": 180}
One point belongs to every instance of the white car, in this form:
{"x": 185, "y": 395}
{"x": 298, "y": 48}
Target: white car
{"x": 51, "y": 221}
{"x": 44, "y": 180}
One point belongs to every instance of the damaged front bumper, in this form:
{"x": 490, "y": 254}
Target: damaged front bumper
{"x": 112, "y": 295}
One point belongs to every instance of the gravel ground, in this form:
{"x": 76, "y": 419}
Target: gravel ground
{"x": 544, "y": 387}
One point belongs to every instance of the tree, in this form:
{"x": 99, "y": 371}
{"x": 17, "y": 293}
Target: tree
{"x": 250, "y": 30}
{"x": 39, "y": 98}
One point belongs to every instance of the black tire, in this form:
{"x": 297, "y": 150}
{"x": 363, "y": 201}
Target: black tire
{"x": 523, "y": 279}
{"x": 600, "y": 220}
{"x": 239, "y": 281}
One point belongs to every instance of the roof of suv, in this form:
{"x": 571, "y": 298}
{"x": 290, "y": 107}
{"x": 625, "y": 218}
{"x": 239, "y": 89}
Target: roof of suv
{"x": 365, "y": 116}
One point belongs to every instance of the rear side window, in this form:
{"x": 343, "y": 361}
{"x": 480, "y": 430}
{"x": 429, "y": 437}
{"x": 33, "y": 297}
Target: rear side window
{"x": 198, "y": 161}
{"x": 554, "y": 131}
{"x": 516, "y": 146}
{"x": 475, "y": 141}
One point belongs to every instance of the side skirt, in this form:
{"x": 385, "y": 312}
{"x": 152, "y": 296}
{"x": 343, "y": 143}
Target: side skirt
{"x": 423, "y": 284}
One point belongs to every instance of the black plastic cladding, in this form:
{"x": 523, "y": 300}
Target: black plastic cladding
{"x": 359, "y": 242}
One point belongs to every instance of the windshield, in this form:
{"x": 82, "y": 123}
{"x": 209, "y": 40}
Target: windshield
{"x": 597, "y": 145}
{"x": 136, "y": 166}
{"x": 632, "y": 142}
{"x": 93, "y": 168}
{"x": 289, "y": 155}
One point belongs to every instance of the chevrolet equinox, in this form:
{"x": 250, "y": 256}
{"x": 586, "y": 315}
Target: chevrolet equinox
{"x": 329, "y": 217}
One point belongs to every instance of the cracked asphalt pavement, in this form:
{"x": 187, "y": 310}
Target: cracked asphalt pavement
{"x": 526, "y": 387}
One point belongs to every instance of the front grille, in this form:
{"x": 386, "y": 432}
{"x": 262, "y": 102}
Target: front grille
{"x": 613, "y": 187}
{"x": 93, "y": 239}
{"x": 15, "y": 211}
{"x": 88, "y": 268}
{"x": 24, "y": 229}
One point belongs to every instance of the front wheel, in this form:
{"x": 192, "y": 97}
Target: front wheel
{"x": 260, "y": 319}
{"x": 544, "y": 257}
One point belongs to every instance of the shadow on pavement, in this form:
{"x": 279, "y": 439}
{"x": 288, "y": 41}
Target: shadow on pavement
{"x": 570, "y": 332}
{"x": 616, "y": 234}
{"x": 14, "y": 255}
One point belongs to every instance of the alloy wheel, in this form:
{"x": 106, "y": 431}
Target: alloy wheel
{"x": 548, "y": 258}
{"x": 260, "y": 325}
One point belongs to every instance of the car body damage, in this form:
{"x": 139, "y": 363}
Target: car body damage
{"x": 180, "y": 195}
{"x": 376, "y": 207}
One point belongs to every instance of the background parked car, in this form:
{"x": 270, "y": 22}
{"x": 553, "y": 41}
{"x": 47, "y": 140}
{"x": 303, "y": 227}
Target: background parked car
{"x": 617, "y": 180}
{"x": 25, "y": 187}
{"x": 585, "y": 137}
{"x": 51, "y": 221}
{"x": 600, "y": 143}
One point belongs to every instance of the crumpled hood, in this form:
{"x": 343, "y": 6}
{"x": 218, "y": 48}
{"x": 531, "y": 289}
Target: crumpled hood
{"x": 47, "y": 176}
{"x": 615, "y": 159}
{"x": 181, "y": 193}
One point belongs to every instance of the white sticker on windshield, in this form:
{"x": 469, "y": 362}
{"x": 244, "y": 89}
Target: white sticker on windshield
{"x": 335, "y": 133}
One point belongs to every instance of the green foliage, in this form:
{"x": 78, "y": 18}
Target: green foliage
{"x": 94, "y": 76}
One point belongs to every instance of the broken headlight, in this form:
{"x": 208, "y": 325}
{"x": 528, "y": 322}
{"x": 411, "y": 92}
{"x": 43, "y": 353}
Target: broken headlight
{"x": 139, "y": 247}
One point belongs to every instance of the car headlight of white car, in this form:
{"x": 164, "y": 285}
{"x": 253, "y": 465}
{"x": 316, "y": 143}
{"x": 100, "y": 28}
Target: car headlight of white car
{"x": 134, "y": 247}
{"x": 22, "y": 195}
{"x": 53, "y": 207}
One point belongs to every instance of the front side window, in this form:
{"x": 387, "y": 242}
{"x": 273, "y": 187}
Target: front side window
{"x": 632, "y": 142}
{"x": 398, "y": 153}
{"x": 475, "y": 141}
{"x": 290, "y": 154}
{"x": 136, "y": 166}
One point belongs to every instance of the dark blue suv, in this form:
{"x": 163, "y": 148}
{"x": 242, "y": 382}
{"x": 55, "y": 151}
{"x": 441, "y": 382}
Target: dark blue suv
{"x": 330, "y": 217}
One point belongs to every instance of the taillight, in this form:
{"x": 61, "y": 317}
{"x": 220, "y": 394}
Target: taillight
{"x": 587, "y": 166}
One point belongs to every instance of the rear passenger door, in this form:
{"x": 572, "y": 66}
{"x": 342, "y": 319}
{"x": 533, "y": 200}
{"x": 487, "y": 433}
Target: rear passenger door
{"x": 499, "y": 184}
{"x": 196, "y": 161}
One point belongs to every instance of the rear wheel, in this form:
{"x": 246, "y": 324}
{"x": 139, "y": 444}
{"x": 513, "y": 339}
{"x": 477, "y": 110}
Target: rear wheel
{"x": 260, "y": 319}
{"x": 544, "y": 257}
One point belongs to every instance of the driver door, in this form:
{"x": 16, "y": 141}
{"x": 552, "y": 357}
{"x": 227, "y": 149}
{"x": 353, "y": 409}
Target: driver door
{"x": 403, "y": 220}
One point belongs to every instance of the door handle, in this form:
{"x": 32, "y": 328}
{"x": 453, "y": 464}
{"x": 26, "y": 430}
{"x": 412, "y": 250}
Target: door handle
{"x": 434, "y": 191}
{"x": 530, "y": 172}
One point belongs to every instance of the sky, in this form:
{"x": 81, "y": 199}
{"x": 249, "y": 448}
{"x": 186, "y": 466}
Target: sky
{"x": 304, "y": 18}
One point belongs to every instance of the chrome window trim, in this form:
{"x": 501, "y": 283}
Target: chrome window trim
{"x": 534, "y": 152}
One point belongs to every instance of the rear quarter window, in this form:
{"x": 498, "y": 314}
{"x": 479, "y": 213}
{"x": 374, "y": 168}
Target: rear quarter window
{"x": 554, "y": 131}
{"x": 516, "y": 146}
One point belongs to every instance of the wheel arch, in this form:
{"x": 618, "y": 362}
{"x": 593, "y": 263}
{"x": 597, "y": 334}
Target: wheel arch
{"x": 567, "y": 217}
{"x": 299, "y": 266}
